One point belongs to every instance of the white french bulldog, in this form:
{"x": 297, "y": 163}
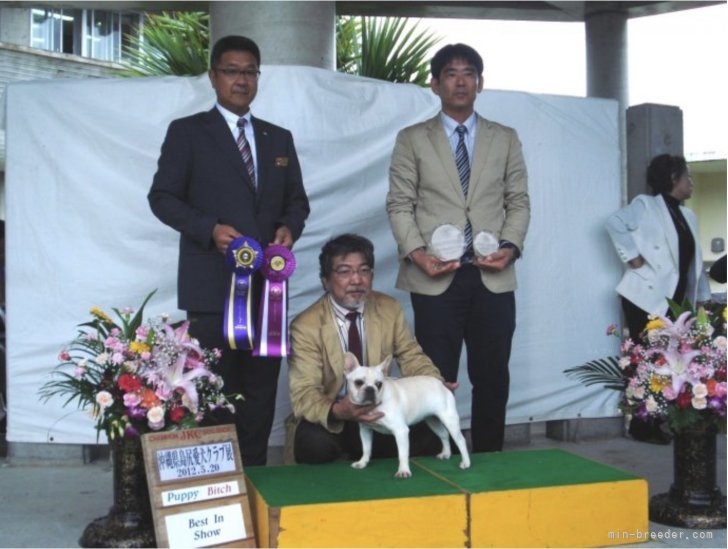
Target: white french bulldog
{"x": 404, "y": 402}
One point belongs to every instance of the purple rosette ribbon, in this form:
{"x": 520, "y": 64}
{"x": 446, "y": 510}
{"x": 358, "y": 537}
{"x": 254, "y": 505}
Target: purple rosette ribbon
{"x": 243, "y": 257}
{"x": 278, "y": 265}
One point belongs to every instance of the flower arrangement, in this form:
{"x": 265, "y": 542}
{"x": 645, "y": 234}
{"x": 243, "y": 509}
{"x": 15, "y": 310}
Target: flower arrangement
{"x": 678, "y": 372}
{"x": 675, "y": 373}
{"x": 139, "y": 377}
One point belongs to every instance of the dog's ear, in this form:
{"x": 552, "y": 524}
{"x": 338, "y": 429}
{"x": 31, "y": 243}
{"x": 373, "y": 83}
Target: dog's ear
{"x": 386, "y": 364}
{"x": 350, "y": 363}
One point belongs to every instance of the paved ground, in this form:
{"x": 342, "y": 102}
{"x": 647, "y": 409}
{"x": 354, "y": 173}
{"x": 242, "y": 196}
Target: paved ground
{"x": 49, "y": 506}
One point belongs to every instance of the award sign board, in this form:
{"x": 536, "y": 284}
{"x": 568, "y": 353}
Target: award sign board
{"x": 197, "y": 488}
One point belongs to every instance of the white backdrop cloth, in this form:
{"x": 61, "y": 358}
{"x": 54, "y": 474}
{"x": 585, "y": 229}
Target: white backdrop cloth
{"x": 80, "y": 160}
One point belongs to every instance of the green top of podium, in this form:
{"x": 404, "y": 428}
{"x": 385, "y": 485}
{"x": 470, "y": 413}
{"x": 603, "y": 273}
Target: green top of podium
{"x": 288, "y": 485}
{"x": 522, "y": 470}
{"x": 336, "y": 482}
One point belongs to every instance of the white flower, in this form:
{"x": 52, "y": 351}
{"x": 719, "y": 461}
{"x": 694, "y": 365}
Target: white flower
{"x": 720, "y": 342}
{"x": 104, "y": 399}
{"x": 651, "y": 405}
{"x": 80, "y": 370}
{"x": 699, "y": 403}
{"x": 624, "y": 362}
{"x": 700, "y": 391}
{"x": 639, "y": 392}
{"x": 155, "y": 418}
{"x": 102, "y": 358}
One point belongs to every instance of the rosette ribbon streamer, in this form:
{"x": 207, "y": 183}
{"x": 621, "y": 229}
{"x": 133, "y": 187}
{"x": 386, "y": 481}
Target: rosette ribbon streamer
{"x": 243, "y": 257}
{"x": 278, "y": 265}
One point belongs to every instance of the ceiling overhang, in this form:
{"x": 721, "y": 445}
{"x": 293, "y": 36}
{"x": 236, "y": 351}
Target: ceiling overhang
{"x": 515, "y": 11}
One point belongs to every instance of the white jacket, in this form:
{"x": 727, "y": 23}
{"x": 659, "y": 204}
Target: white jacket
{"x": 645, "y": 227}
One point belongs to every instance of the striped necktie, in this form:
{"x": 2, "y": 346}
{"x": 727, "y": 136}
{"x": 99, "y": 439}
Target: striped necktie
{"x": 463, "y": 163}
{"x": 244, "y": 147}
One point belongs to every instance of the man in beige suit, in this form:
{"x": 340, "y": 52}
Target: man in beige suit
{"x": 348, "y": 317}
{"x": 461, "y": 169}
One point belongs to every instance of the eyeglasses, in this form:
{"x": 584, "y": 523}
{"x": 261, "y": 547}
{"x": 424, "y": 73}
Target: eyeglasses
{"x": 249, "y": 74}
{"x": 348, "y": 272}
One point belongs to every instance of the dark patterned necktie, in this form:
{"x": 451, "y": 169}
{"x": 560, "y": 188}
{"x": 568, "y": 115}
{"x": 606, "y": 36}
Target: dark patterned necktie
{"x": 354, "y": 336}
{"x": 245, "y": 152}
{"x": 463, "y": 163}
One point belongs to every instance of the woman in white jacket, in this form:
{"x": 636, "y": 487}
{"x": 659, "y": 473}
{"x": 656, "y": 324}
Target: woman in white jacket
{"x": 657, "y": 239}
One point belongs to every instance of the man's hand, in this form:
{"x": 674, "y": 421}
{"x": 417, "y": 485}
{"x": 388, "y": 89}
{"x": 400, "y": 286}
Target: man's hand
{"x": 345, "y": 410}
{"x": 283, "y": 237}
{"x": 222, "y": 235}
{"x": 432, "y": 266}
{"x": 497, "y": 261}
{"x": 452, "y": 385}
{"x": 636, "y": 262}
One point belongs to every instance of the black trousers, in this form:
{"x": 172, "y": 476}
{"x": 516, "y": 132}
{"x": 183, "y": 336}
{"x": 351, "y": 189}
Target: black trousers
{"x": 315, "y": 445}
{"x": 468, "y": 312}
{"x": 256, "y": 378}
{"x": 635, "y": 318}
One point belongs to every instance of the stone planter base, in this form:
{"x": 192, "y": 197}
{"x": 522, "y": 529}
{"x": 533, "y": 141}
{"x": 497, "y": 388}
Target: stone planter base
{"x": 129, "y": 522}
{"x": 694, "y": 500}
{"x": 667, "y": 510}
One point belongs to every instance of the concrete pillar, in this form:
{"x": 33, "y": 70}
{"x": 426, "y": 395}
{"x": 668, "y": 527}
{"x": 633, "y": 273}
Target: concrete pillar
{"x": 651, "y": 130}
{"x": 606, "y": 56}
{"x": 15, "y": 26}
{"x": 606, "y": 67}
{"x": 288, "y": 33}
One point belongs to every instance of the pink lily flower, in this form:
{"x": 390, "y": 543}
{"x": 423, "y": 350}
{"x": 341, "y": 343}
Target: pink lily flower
{"x": 676, "y": 366}
{"x": 680, "y": 327}
{"x": 175, "y": 377}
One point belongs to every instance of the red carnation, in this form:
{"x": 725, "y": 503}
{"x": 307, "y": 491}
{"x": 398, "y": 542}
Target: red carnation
{"x": 129, "y": 383}
{"x": 176, "y": 414}
{"x": 684, "y": 400}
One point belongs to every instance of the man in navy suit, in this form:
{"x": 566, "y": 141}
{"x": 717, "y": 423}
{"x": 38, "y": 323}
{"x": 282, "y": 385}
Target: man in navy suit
{"x": 211, "y": 192}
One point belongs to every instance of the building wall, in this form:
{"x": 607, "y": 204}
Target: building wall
{"x": 18, "y": 63}
{"x": 709, "y": 204}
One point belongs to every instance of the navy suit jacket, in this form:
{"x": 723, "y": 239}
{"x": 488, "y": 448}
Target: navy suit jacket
{"x": 201, "y": 180}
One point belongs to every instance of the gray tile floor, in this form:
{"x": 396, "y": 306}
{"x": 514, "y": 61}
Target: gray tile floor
{"x": 45, "y": 505}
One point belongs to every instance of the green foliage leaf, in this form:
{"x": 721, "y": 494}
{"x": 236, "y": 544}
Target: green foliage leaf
{"x": 170, "y": 43}
{"x": 391, "y": 49}
{"x": 348, "y": 44}
{"x": 679, "y": 308}
{"x": 603, "y": 371}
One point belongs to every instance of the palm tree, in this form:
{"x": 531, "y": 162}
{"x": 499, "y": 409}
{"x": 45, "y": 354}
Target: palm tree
{"x": 170, "y": 43}
{"x": 392, "y": 49}
{"x": 384, "y": 48}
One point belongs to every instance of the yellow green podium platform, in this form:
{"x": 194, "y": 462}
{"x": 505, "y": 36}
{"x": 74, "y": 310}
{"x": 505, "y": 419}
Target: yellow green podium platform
{"x": 547, "y": 498}
{"x": 532, "y": 498}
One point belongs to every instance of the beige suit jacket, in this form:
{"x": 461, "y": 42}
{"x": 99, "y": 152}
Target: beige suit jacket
{"x": 316, "y": 364}
{"x": 425, "y": 192}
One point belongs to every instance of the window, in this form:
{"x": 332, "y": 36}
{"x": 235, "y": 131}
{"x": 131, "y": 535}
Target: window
{"x": 53, "y": 29}
{"x": 90, "y": 33}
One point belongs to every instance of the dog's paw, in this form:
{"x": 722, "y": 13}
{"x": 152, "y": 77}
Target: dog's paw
{"x": 359, "y": 464}
{"x": 443, "y": 455}
{"x": 403, "y": 474}
{"x": 464, "y": 464}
